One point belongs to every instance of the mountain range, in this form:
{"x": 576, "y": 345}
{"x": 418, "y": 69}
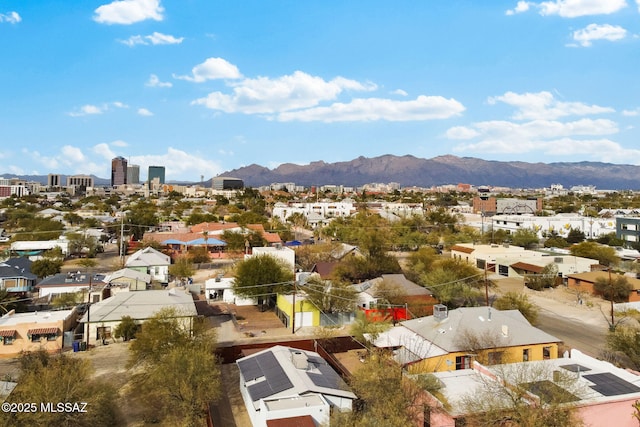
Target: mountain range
{"x": 413, "y": 171}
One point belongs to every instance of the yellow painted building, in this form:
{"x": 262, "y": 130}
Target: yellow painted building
{"x": 306, "y": 314}
{"x": 452, "y": 340}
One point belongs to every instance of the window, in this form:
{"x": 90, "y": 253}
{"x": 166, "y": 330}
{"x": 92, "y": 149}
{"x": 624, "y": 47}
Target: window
{"x": 525, "y": 355}
{"x": 8, "y": 340}
{"x": 503, "y": 270}
{"x": 495, "y": 357}
{"x": 48, "y": 337}
{"x": 103, "y": 332}
{"x": 546, "y": 352}
{"x": 463, "y": 362}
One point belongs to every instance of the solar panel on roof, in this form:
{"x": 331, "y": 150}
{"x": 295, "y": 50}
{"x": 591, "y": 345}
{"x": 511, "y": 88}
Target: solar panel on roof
{"x": 608, "y": 384}
{"x": 264, "y": 365}
{"x": 259, "y": 390}
{"x": 250, "y": 369}
{"x": 326, "y": 378}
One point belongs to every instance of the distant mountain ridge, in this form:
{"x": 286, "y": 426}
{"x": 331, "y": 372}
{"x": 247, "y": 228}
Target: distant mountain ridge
{"x": 413, "y": 171}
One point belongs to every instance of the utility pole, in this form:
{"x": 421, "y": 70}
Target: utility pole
{"x": 293, "y": 310}
{"x": 89, "y": 313}
{"x": 613, "y": 325}
{"x": 122, "y": 251}
{"x": 486, "y": 284}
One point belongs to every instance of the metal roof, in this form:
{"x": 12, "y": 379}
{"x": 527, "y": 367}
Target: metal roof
{"x": 141, "y": 305}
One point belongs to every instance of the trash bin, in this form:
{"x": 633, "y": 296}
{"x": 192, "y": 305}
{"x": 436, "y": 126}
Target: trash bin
{"x": 83, "y": 346}
{"x": 76, "y": 346}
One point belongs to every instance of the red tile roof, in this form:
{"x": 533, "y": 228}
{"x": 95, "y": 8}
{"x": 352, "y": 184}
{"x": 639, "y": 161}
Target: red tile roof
{"x": 464, "y": 249}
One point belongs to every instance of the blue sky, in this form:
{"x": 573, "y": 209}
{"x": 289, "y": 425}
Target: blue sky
{"x": 203, "y": 86}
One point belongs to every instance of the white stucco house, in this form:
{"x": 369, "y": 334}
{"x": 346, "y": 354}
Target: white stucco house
{"x": 221, "y": 289}
{"x": 283, "y": 253}
{"x": 282, "y": 383}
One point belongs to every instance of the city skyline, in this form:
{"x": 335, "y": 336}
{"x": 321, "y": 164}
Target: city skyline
{"x": 203, "y": 87}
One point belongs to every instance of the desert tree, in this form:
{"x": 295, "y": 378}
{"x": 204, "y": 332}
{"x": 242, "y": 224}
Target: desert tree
{"x": 522, "y": 394}
{"x": 177, "y": 372}
{"x": 262, "y": 276}
{"x": 518, "y": 301}
{"x": 615, "y": 288}
{"x": 59, "y": 378}
{"x": 385, "y": 396}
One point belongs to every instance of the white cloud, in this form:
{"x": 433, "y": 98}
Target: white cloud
{"x": 212, "y": 69}
{"x": 399, "y": 92}
{"x": 72, "y": 154}
{"x": 631, "y": 113}
{"x": 154, "y": 81}
{"x": 371, "y": 109}
{"x": 51, "y": 163}
{"x": 603, "y": 150}
{"x": 153, "y": 39}
{"x": 290, "y": 92}
{"x": 591, "y": 32}
{"x": 521, "y": 7}
{"x": 119, "y": 143}
{"x": 576, "y": 8}
{"x": 104, "y": 151}
{"x": 10, "y": 17}
{"x": 180, "y": 164}
{"x": 129, "y": 11}
{"x": 462, "y": 132}
{"x": 144, "y": 112}
{"x": 87, "y": 110}
{"x": 543, "y": 105}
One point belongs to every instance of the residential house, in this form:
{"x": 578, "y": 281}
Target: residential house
{"x": 152, "y": 262}
{"x": 306, "y": 313}
{"x": 33, "y": 248}
{"x": 128, "y": 278}
{"x": 103, "y": 317}
{"x": 282, "y": 253}
{"x": 33, "y": 331}
{"x": 63, "y": 283}
{"x": 398, "y": 290}
{"x": 324, "y": 269}
{"x": 584, "y": 283}
{"x": 282, "y": 382}
{"x": 220, "y": 288}
{"x": 515, "y": 261}
{"x": 452, "y": 340}
{"x": 16, "y": 276}
{"x": 600, "y": 393}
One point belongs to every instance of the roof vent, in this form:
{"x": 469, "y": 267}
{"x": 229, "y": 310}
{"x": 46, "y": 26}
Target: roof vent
{"x": 299, "y": 360}
{"x": 440, "y": 311}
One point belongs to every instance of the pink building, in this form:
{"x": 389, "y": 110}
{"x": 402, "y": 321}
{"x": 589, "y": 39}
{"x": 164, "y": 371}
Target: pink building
{"x": 602, "y": 394}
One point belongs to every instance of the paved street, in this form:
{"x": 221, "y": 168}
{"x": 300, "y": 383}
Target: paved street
{"x": 580, "y": 326}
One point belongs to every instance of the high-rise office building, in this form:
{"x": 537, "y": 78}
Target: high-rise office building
{"x": 156, "y": 172}
{"x": 133, "y": 174}
{"x": 118, "y": 171}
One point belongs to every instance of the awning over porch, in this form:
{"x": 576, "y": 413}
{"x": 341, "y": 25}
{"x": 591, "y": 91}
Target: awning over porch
{"x": 43, "y": 331}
